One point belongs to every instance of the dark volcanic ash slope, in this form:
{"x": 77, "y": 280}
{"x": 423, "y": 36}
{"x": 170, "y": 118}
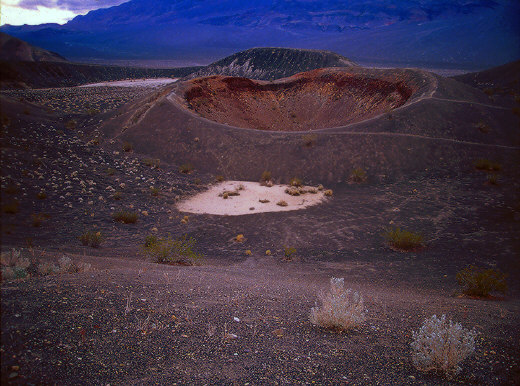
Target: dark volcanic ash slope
{"x": 268, "y": 63}
{"x": 14, "y": 49}
{"x": 433, "y": 125}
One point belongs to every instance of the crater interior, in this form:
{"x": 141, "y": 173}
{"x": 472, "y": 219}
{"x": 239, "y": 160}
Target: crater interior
{"x": 308, "y": 101}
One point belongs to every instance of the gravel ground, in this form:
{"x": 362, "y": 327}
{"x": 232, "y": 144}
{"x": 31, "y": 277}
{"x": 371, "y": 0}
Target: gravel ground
{"x": 235, "y": 317}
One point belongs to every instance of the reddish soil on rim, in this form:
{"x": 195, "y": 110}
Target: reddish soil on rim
{"x": 312, "y": 100}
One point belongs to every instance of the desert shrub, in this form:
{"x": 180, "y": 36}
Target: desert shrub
{"x": 477, "y": 281}
{"x": 492, "y": 179}
{"x": 154, "y": 163}
{"x": 154, "y": 191}
{"x": 127, "y": 146}
{"x": 125, "y": 216}
{"x": 309, "y": 139}
{"x": 71, "y": 124}
{"x": 14, "y": 265}
{"x": 288, "y": 252}
{"x": 358, "y": 175}
{"x": 265, "y": 177}
{"x": 487, "y": 165}
{"x": 441, "y": 345}
{"x": 341, "y": 308}
{"x": 11, "y": 189}
{"x": 263, "y": 200}
{"x": 150, "y": 240}
{"x": 483, "y": 127}
{"x": 328, "y": 193}
{"x": 91, "y": 238}
{"x": 11, "y": 207}
{"x": 403, "y": 240}
{"x": 282, "y": 203}
{"x": 41, "y": 195}
{"x": 489, "y": 91}
{"x": 219, "y": 178}
{"x": 170, "y": 251}
{"x": 111, "y": 171}
{"x": 37, "y": 219}
{"x": 117, "y": 196}
{"x": 186, "y": 168}
{"x": 295, "y": 181}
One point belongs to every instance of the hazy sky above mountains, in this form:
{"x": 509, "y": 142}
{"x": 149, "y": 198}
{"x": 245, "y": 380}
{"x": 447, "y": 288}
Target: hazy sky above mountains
{"x": 19, "y": 12}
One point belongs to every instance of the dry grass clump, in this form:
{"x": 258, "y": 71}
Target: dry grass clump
{"x": 441, "y": 345}
{"x": 328, "y": 192}
{"x": 358, "y": 176}
{"x": 125, "y": 216}
{"x": 341, "y": 309}
{"x": 127, "y": 147}
{"x": 309, "y": 140}
{"x": 487, "y": 165}
{"x": 477, "y": 281}
{"x": 38, "y": 219}
{"x": 91, "y": 238}
{"x": 296, "y": 182}
{"x": 403, "y": 240}
{"x": 186, "y": 168}
{"x": 266, "y": 179}
{"x": 282, "y": 203}
{"x": 170, "y": 251}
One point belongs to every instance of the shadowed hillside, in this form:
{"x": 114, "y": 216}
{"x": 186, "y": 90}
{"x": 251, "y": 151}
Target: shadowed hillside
{"x": 14, "y": 49}
{"x": 273, "y": 63}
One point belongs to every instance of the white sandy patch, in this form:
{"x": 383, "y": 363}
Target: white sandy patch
{"x": 152, "y": 82}
{"x": 248, "y": 201}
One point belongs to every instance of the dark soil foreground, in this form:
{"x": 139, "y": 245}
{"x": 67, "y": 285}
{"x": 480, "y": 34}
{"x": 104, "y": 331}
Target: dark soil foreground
{"x": 238, "y": 318}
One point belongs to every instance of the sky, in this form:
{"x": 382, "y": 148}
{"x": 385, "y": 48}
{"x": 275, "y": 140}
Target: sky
{"x": 19, "y": 12}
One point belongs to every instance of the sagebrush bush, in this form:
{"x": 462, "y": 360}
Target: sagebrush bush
{"x": 441, "y": 345}
{"x": 403, "y": 240}
{"x": 477, "y": 281}
{"x": 341, "y": 308}
{"x": 170, "y": 251}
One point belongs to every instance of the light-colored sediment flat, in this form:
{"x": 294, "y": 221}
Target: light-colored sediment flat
{"x": 248, "y": 200}
{"x": 152, "y": 82}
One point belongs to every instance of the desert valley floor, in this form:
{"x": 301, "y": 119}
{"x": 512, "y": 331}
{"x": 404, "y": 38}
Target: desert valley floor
{"x": 72, "y": 157}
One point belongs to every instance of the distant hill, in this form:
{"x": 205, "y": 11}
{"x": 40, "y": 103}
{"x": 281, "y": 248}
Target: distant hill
{"x": 16, "y": 50}
{"x": 466, "y": 34}
{"x": 15, "y": 75}
{"x": 272, "y": 63}
{"x": 505, "y": 78}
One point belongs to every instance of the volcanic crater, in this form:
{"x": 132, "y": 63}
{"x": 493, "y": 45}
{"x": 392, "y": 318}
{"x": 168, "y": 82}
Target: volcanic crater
{"x": 312, "y": 100}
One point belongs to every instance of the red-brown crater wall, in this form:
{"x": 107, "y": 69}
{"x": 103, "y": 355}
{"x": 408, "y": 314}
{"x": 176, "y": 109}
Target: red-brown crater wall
{"x": 313, "y": 100}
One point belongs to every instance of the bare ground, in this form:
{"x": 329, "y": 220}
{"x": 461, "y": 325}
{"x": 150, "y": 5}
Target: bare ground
{"x": 130, "y": 321}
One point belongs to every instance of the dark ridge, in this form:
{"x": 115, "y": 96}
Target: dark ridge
{"x": 14, "y": 49}
{"x": 273, "y": 63}
{"x": 15, "y": 75}
{"x": 505, "y": 78}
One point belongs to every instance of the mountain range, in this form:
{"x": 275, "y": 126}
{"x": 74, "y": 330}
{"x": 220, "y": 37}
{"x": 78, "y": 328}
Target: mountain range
{"x": 470, "y": 34}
